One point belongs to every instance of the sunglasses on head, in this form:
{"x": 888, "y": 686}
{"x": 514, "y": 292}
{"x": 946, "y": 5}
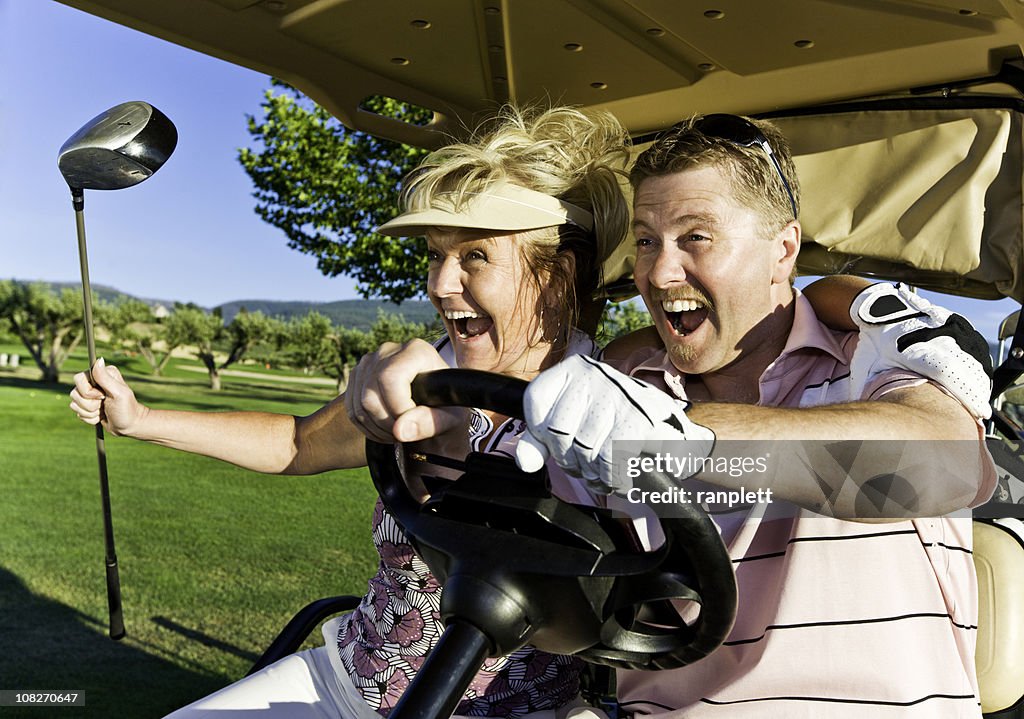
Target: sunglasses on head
{"x": 744, "y": 133}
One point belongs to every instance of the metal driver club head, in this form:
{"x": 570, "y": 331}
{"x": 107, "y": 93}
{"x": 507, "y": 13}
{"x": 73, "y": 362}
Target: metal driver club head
{"x": 118, "y": 148}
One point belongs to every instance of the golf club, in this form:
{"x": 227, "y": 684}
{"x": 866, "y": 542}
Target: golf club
{"x": 116, "y": 149}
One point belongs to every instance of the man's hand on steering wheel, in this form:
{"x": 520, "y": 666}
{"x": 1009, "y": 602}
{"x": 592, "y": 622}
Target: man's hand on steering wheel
{"x": 579, "y": 407}
{"x": 379, "y": 401}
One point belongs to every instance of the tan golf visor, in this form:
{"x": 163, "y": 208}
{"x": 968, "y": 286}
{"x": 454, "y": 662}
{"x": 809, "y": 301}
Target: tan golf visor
{"x": 504, "y": 207}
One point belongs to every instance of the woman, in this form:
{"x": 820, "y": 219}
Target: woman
{"x": 517, "y": 221}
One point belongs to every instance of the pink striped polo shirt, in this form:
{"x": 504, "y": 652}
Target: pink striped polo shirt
{"x": 837, "y": 619}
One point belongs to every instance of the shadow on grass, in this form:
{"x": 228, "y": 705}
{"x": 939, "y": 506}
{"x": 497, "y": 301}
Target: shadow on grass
{"x": 37, "y": 384}
{"x": 202, "y": 399}
{"x": 227, "y": 398}
{"x": 205, "y": 639}
{"x": 49, "y": 645}
{"x": 218, "y": 401}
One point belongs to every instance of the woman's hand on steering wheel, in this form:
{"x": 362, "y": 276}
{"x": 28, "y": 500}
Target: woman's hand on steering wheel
{"x": 378, "y": 399}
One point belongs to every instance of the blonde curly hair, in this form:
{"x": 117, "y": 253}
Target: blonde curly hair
{"x": 575, "y": 156}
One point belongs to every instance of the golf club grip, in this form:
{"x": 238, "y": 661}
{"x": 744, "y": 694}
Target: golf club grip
{"x": 114, "y": 601}
{"x": 110, "y": 555}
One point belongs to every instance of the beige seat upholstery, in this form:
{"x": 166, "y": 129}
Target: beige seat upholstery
{"x": 999, "y": 559}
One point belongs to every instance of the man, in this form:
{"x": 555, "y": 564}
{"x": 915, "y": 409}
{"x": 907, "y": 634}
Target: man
{"x": 836, "y": 618}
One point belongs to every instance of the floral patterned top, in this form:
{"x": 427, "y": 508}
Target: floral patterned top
{"x": 384, "y": 641}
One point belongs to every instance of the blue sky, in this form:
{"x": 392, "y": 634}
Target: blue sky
{"x": 189, "y": 233}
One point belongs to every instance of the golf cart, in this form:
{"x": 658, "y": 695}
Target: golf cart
{"x": 919, "y": 102}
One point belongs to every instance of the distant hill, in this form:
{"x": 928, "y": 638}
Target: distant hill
{"x": 359, "y": 314}
{"x": 100, "y": 292}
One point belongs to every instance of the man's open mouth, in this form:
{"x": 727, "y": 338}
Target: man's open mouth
{"x": 468, "y": 323}
{"x": 685, "y": 315}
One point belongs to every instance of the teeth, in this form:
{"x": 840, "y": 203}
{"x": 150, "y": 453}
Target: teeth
{"x": 681, "y": 305}
{"x": 461, "y": 315}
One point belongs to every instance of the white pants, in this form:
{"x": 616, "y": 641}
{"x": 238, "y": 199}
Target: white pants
{"x": 309, "y": 685}
{"x": 302, "y": 686}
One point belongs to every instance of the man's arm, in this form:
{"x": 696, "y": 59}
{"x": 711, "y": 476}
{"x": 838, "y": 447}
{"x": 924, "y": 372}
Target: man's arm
{"x": 845, "y": 460}
{"x": 923, "y": 412}
{"x": 832, "y": 296}
{"x": 920, "y": 434}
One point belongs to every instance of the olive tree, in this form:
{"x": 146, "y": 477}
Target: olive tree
{"x": 327, "y": 187}
{"x": 49, "y": 324}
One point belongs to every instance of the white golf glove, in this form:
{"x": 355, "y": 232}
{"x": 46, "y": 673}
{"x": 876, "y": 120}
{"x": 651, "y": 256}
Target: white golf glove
{"x": 578, "y": 408}
{"x": 900, "y": 330}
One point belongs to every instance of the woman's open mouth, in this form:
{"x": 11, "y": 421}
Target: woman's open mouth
{"x": 684, "y": 316}
{"x": 467, "y": 323}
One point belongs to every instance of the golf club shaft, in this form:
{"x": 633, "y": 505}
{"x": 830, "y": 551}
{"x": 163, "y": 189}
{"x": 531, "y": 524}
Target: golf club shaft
{"x": 112, "y": 574}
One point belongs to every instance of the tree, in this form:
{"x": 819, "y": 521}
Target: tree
{"x": 307, "y": 338}
{"x": 343, "y": 348}
{"x": 327, "y": 187}
{"x": 149, "y": 347}
{"x": 248, "y": 329}
{"x": 315, "y": 344}
{"x": 621, "y": 318}
{"x": 122, "y": 322}
{"x": 131, "y": 323}
{"x": 191, "y": 325}
{"x": 49, "y": 325}
{"x": 390, "y": 327}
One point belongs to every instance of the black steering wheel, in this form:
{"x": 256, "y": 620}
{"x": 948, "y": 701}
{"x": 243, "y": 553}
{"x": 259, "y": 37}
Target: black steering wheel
{"x": 520, "y": 565}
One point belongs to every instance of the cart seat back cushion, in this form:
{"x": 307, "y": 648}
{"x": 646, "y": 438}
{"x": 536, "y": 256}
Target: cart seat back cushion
{"x": 999, "y": 558}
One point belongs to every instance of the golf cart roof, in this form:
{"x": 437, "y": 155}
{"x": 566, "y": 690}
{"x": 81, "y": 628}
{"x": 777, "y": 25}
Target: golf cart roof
{"x": 944, "y": 76}
{"x": 648, "y": 61}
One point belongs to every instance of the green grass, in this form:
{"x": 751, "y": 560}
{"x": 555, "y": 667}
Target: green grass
{"x": 213, "y": 559}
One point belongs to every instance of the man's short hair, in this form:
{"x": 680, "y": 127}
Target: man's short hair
{"x": 755, "y": 180}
